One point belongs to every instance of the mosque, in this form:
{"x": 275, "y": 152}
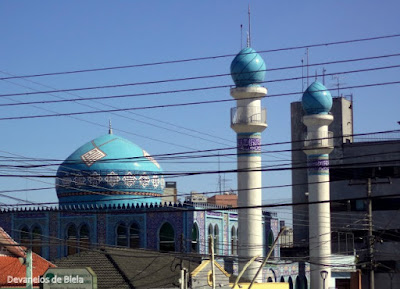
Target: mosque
{"x": 111, "y": 192}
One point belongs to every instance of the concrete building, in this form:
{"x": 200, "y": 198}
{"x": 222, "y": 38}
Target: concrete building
{"x": 228, "y": 200}
{"x": 170, "y": 193}
{"x": 354, "y": 159}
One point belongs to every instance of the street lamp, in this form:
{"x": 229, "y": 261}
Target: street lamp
{"x": 324, "y": 274}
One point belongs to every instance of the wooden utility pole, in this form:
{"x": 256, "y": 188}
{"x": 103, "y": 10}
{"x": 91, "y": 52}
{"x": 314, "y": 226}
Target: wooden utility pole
{"x": 371, "y": 239}
{"x": 212, "y": 261}
{"x": 266, "y": 258}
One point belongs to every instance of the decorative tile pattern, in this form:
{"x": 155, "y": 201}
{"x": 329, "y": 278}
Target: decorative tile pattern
{"x": 112, "y": 179}
{"x": 249, "y": 144}
{"x": 199, "y": 218}
{"x": 144, "y": 180}
{"x": 92, "y": 156}
{"x": 69, "y": 181}
{"x": 318, "y": 165}
{"x": 129, "y": 179}
{"x": 80, "y": 180}
{"x": 155, "y": 181}
{"x": 95, "y": 179}
{"x": 66, "y": 181}
{"x": 226, "y": 234}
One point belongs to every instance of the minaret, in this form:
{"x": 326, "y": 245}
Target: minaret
{"x": 317, "y": 102}
{"x": 248, "y": 120}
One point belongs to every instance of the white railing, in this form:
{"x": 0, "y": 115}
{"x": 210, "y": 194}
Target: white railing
{"x": 318, "y": 139}
{"x": 248, "y": 115}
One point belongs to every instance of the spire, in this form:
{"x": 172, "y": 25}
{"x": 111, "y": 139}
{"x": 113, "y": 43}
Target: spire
{"x": 249, "y": 34}
{"x": 109, "y": 127}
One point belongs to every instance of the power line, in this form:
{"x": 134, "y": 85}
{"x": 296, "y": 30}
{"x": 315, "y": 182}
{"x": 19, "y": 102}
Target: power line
{"x": 178, "y": 104}
{"x": 198, "y": 77}
{"x": 205, "y": 58}
{"x": 189, "y": 154}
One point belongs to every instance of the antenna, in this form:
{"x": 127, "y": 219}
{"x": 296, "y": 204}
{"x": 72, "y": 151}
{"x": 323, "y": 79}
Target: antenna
{"x": 316, "y": 74}
{"x": 249, "y": 37}
{"x": 302, "y": 74}
{"x": 219, "y": 175}
{"x": 323, "y": 75}
{"x": 308, "y": 75}
{"x": 110, "y": 127}
{"x": 241, "y": 36}
{"x": 338, "y": 77}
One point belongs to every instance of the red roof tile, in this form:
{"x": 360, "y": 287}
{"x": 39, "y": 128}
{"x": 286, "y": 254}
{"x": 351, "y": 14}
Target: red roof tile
{"x": 10, "y": 266}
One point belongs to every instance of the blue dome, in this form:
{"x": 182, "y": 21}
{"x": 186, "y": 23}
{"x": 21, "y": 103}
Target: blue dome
{"x": 109, "y": 170}
{"x": 317, "y": 99}
{"x": 248, "y": 68}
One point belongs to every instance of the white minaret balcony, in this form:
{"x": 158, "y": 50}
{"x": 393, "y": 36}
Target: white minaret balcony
{"x": 248, "y": 118}
{"x": 318, "y": 139}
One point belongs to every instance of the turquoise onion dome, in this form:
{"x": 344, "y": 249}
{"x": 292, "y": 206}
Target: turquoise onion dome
{"x": 248, "y": 68}
{"x": 109, "y": 170}
{"x": 317, "y": 99}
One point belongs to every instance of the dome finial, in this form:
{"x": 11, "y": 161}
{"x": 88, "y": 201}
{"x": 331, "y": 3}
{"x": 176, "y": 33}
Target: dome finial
{"x": 249, "y": 33}
{"x": 109, "y": 127}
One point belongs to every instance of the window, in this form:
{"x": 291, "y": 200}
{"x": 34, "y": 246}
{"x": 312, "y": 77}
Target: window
{"x": 25, "y": 236}
{"x": 216, "y": 239}
{"x": 134, "y": 236}
{"x": 271, "y": 240}
{"x": 210, "y": 235}
{"x": 121, "y": 236}
{"x": 233, "y": 241}
{"x": 195, "y": 238}
{"x": 71, "y": 240}
{"x": 37, "y": 240}
{"x": 84, "y": 238}
{"x": 167, "y": 238}
{"x": 290, "y": 281}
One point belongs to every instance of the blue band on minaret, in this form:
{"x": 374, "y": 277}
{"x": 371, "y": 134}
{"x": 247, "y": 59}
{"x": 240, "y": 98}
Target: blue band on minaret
{"x": 248, "y": 144}
{"x": 318, "y": 164}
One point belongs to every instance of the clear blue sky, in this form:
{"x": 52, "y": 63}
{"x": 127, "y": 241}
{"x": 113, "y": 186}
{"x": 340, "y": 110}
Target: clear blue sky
{"x": 52, "y": 36}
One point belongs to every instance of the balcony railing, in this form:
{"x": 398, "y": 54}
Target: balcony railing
{"x": 318, "y": 139}
{"x": 248, "y": 115}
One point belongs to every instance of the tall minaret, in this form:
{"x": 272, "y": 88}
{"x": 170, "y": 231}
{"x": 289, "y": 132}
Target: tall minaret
{"x": 248, "y": 120}
{"x": 317, "y": 102}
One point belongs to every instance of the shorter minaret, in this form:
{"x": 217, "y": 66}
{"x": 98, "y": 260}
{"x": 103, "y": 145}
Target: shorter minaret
{"x": 317, "y": 102}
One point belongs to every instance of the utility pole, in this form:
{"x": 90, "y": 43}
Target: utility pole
{"x": 371, "y": 240}
{"x": 268, "y": 255}
{"x": 371, "y": 237}
{"x": 212, "y": 261}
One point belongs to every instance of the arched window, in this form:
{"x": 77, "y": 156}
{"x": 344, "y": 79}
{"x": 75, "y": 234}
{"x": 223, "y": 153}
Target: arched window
{"x": 290, "y": 281}
{"x": 84, "y": 238}
{"x": 237, "y": 240}
{"x": 71, "y": 240}
{"x": 167, "y": 238}
{"x": 195, "y": 238}
{"x": 25, "y": 236}
{"x": 134, "y": 236}
{"x": 121, "y": 235}
{"x": 305, "y": 285}
{"x": 298, "y": 283}
{"x": 37, "y": 240}
{"x": 210, "y": 235}
{"x": 282, "y": 279}
{"x": 233, "y": 241}
{"x": 216, "y": 239}
{"x": 269, "y": 280}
